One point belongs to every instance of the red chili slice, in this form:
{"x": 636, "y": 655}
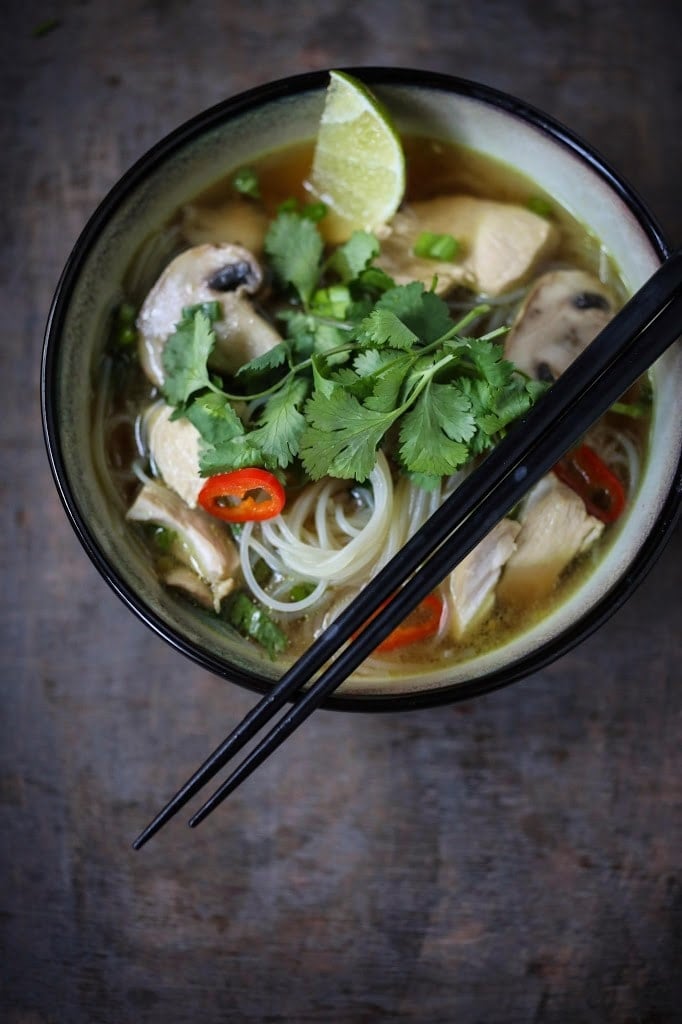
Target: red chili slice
{"x": 589, "y": 476}
{"x": 420, "y": 624}
{"x": 243, "y": 496}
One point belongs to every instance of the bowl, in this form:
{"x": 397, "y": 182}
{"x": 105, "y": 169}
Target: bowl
{"x": 230, "y": 135}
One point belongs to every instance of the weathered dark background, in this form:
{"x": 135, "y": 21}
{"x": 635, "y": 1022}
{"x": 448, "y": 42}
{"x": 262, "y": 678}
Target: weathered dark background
{"x": 510, "y": 861}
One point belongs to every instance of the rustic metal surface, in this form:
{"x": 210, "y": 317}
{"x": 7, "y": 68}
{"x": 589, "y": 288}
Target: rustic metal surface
{"x": 513, "y": 859}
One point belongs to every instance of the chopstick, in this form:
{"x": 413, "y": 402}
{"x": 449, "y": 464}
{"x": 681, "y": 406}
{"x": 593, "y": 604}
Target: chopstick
{"x": 630, "y": 343}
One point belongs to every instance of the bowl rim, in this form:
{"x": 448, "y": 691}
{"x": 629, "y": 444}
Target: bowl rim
{"x": 170, "y": 144}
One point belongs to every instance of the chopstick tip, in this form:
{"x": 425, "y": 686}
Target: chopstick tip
{"x": 138, "y": 843}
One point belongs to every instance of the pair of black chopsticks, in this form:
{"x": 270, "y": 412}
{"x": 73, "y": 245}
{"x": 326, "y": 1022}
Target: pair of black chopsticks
{"x": 646, "y": 326}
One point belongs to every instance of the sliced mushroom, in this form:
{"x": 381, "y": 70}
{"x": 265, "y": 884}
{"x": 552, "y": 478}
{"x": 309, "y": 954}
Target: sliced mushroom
{"x": 502, "y": 244}
{"x": 174, "y": 448}
{"x": 563, "y": 312}
{"x": 202, "y": 544}
{"x": 472, "y": 584}
{"x": 555, "y": 527}
{"x": 226, "y": 273}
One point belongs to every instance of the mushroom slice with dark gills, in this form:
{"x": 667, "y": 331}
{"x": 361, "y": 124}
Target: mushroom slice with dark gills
{"x": 563, "y": 312}
{"x": 226, "y": 273}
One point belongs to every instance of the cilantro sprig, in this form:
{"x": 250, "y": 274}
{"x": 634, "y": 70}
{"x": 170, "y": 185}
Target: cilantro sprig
{"x": 363, "y": 363}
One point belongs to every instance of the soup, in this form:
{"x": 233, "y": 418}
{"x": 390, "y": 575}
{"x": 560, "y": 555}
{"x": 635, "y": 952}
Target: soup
{"x": 279, "y": 414}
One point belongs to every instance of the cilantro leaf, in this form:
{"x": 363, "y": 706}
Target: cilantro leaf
{"x": 295, "y": 247}
{"x": 355, "y": 255}
{"x": 237, "y": 452}
{"x": 282, "y": 423}
{"x": 214, "y": 418}
{"x": 270, "y": 360}
{"x": 452, "y": 411}
{"x": 251, "y": 620}
{"x": 342, "y": 436}
{"x": 226, "y": 445}
{"x": 424, "y": 313}
{"x": 389, "y": 382}
{"x": 489, "y": 360}
{"x": 384, "y": 327}
{"x": 424, "y": 447}
{"x": 372, "y": 360}
{"x": 185, "y": 356}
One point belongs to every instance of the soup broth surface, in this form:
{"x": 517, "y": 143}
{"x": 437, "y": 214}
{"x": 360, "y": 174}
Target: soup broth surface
{"x": 434, "y": 168}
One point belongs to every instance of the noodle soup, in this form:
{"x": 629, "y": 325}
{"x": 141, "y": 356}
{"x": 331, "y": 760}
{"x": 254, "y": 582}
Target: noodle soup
{"x": 278, "y": 579}
{"x": 100, "y": 404}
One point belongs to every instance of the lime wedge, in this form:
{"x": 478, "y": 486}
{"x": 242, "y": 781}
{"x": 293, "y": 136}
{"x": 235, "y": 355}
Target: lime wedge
{"x": 358, "y": 164}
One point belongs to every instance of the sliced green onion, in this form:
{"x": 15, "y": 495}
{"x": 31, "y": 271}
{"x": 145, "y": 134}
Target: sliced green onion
{"x": 126, "y": 334}
{"x": 246, "y": 182}
{"x": 164, "y": 538}
{"x": 332, "y": 301}
{"x": 300, "y": 591}
{"x": 212, "y": 310}
{"x": 635, "y": 410}
{"x": 432, "y": 246}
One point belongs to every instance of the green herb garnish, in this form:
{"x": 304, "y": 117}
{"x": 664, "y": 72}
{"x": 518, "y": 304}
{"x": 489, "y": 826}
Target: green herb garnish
{"x": 125, "y": 330}
{"x": 245, "y": 181}
{"x": 431, "y": 246}
{"x": 362, "y": 357}
{"x": 249, "y": 619}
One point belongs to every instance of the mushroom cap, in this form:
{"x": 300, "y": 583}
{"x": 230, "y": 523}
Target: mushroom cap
{"x": 225, "y": 273}
{"x": 563, "y": 312}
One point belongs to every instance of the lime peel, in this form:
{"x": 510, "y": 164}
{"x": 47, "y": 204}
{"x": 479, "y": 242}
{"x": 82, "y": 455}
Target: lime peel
{"x": 358, "y": 166}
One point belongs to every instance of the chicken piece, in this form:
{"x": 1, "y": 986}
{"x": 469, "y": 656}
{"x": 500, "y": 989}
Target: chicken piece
{"x": 201, "y": 542}
{"x": 174, "y": 449}
{"x": 183, "y": 578}
{"x": 502, "y": 244}
{"x": 472, "y": 584}
{"x": 207, "y": 273}
{"x": 555, "y": 527}
{"x": 563, "y": 312}
{"x": 237, "y": 220}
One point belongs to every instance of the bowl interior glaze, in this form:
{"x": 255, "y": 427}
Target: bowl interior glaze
{"x": 204, "y": 151}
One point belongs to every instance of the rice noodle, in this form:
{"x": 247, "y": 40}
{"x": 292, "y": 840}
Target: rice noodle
{"x": 317, "y": 541}
{"x": 619, "y": 451}
{"x": 317, "y": 557}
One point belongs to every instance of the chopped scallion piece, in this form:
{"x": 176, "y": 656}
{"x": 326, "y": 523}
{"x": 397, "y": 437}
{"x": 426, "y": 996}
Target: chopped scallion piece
{"x": 246, "y": 182}
{"x": 164, "y": 538}
{"x": 300, "y": 591}
{"x": 212, "y": 310}
{"x": 432, "y": 246}
{"x": 332, "y": 301}
{"x": 126, "y": 334}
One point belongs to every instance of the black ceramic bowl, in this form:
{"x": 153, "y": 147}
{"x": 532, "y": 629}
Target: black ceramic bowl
{"x": 230, "y": 135}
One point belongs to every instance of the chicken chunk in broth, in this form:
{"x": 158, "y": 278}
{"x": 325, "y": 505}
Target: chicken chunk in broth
{"x": 294, "y": 411}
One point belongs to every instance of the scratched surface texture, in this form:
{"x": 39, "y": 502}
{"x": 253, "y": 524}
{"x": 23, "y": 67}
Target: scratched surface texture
{"x": 512, "y": 860}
